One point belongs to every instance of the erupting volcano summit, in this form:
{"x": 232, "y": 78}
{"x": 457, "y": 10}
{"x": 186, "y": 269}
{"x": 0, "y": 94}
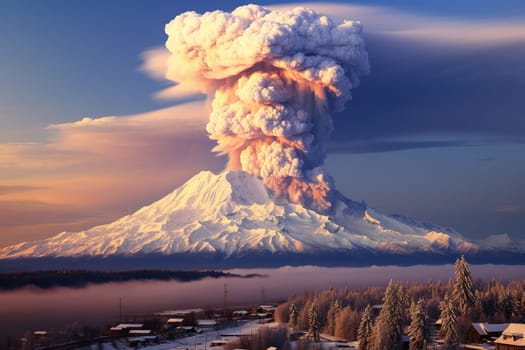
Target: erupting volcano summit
{"x": 274, "y": 78}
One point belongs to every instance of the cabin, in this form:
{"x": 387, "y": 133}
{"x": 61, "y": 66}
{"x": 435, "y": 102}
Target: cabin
{"x": 176, "y": 318}
{"x": 240, "y": 314}
{"x": 139, "y": 332}
{"x": 512, "y": 338}
{"x": 139, "y": 341}
{"x": 209, "y": 324}
{"x": 41, "y": 338}
{"x": 175, "y": 321}
{"x": 484, "y": 332}
{"x": 123, "y": 329}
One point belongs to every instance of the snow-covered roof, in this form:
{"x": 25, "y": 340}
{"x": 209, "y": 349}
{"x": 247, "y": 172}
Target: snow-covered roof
{"x": 486, "y": 328}
{"x": 495, "y": 327}
{"x": 129, "y": 325}
{"x": 241, "y": 312}
{"x": 208, "y": 323}
{"x": 479, "y": 328}
{"x": 514, "y": 334}
{"x": 140, "y": 331}
{"x": 175, "y": 320}
{"x": 40, "y": 332}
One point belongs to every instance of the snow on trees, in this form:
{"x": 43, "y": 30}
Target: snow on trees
{"x": 331, "y": 317}
{"x": 418, "y": 330}
{"x": 390, "y": 319}
{"x": 364, "y": 332}
{"x": 292, "y": 318}
{"x": 462, "y": 292}
{"x": 448, "y": 324}
{"x": 346, "y": 323}
{"x": 314, "y": 326}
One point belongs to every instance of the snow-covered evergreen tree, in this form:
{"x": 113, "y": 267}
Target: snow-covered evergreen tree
{"x": 292, "y": 317}
{"x": 448, "y": 324}
{"x": 418, "y": 330}
{"x": 364, "y": 332}
{"x": 389, "y": 322}
{"x": 314, "y": 326}
{"x": 462, "y": 292}
{"x": 331, "y": 317}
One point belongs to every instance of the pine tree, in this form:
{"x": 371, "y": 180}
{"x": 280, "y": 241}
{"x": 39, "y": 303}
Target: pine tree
{"x": 331, "y": 317}
{"x": 390, "y": 319}
{"x": 418, "y": 330}
{"x": 448, "y": 324}
{"x": 462, "y": 288}
{"x": 364, "y": 332}
{"x": 314, "y": 327}
{"x": 292, "y": 319}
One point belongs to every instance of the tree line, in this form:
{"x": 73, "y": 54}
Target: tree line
{"x": 81, "y": 278}
{"x": 377, "y": 317}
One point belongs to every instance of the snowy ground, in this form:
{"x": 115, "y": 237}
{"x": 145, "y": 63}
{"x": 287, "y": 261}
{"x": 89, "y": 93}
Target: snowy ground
{"x": 200, "y": 341}
{"x": 203, "y": 341}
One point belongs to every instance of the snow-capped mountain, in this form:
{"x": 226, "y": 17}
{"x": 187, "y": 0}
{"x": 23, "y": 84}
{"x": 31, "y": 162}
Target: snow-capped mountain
{"x": 231, "y": 214}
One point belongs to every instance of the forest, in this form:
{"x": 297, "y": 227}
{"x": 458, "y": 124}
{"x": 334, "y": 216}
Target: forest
{"x": 378, "y": 317}
{"x": 81, "y": 278}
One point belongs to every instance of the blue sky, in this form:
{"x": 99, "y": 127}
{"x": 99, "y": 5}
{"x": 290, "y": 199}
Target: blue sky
{"x": 435, "y": 132}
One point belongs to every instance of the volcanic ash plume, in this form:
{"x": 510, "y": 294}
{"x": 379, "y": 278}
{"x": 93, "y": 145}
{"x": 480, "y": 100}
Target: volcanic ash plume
{"x": 274, "y": 78}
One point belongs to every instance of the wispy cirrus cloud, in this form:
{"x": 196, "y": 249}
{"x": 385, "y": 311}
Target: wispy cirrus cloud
{"x": 430, "y": 29}
{"x": 16, "y": 189}
{"x": 97, "y": 169}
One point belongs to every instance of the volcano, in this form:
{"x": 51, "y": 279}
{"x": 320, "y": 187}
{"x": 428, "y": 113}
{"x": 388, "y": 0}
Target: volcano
{"x": 232, "y": 216}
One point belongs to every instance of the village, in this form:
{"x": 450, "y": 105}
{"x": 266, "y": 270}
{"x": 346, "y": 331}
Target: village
{"x": 185, "y": 330}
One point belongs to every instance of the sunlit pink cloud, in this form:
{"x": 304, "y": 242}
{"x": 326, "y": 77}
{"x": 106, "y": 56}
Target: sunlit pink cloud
{"x": 97, "y": 169}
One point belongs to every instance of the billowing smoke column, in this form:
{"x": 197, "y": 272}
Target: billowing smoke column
{"x": 274, "y": 78}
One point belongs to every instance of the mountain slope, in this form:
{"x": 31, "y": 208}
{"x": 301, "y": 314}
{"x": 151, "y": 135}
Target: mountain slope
{"x": 231, "y": 214}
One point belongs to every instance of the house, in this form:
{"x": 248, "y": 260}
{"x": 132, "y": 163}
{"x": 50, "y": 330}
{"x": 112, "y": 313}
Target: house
{"x": 484, "y": 332}
{"x": 206, "y": 323}
{"x": 175, "y": 318}
{"x": 513, "y": 338}
{"x": 129, "y": 326}
{"x": 265, "y": 309}
{"x": 240, "y": 314}
{"x": 124, "y": 328}
{"x": 175, "y": 321}
{"x": 139, "y": 332}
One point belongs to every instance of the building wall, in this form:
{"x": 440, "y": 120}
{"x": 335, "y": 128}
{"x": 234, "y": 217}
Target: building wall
{"x": 472, "y": 336}
{"x": 509, "y": 347}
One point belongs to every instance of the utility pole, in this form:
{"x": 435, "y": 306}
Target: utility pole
{"x": 225, "y": 302}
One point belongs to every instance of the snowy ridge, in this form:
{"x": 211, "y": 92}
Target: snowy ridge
{"x": 231, "y": 214}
